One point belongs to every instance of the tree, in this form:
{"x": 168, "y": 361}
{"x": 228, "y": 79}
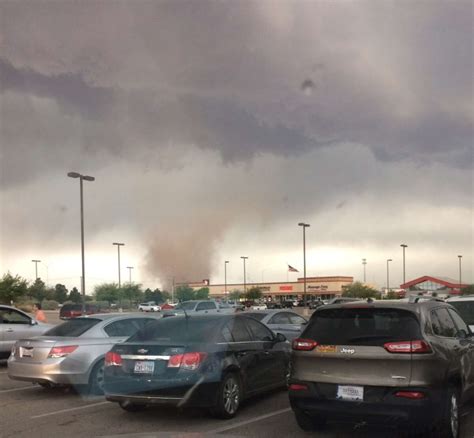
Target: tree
{"x": 166, "y": 295}
{"x": 392, "y": 295}
{"x": 154, "y": 295}
{"x": 359, "y": 290}
{"x": 37, "y": 290}
{"x": 468, "y": 290}
{"x": 235, "y": 295}
{"x": 107, "y": 292}
{"x": 184, "y": 293}
{"x": 254, "y": 293}
{"x": 202, "y": 294}
{"x": 132, "y": 292}
{"x": 12, "y": 288}
{"x": 75, "y": 296}
{"x": 60, "y": 293}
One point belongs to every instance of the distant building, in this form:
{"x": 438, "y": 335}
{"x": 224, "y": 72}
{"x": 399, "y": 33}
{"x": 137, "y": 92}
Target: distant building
{"x": 429, "y": 285}
{"x": 322, "y": 287}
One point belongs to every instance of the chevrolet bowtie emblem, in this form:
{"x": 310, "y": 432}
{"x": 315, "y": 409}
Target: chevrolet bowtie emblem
{"x": 142, "y": 351}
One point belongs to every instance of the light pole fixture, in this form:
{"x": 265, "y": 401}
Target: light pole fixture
{"x": 364, "y": 263}
{"x": 304, "y": 225}
{"x": 244, "y": 258}
{"x": 36, "y": 267}
{"x": 118, "y": 244}
{"x": 403, "y": 245}
{"x": 83, "y": 278}
{"x": 225, "y": 277}
{"x": 388, "y": 275}
{"x": 130, "y": 274}
{"x": 460, "y": 276}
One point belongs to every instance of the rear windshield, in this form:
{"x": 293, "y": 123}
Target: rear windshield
{"x": 257, "y": 316}
{"x": 177, "y": 329}
{"x": 74, "y": 327}
{"x": 465, "y": 309}
{"x": 362, "y": 326}
{"x": 69, "y": 307}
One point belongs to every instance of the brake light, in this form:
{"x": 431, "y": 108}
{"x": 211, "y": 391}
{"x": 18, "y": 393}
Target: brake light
{"x": 404, "y": 347}
{"x": 187, "y": 361}
{"x": 413, "y": 395}
{"x": 113, "y": 359}
{"x": 57, "y": 352}
{"x": 297, "y": 387}
{"x": 300, "y": 344}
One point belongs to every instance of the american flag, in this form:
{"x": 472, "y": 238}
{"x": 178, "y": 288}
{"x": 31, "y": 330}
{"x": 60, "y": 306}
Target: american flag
{"x": 291, "y": 269}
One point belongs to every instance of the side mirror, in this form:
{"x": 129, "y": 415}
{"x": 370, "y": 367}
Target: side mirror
{"x": 461, "y": 334}
{"x": 280, "y": 338}
{"x": 33, "y": 322}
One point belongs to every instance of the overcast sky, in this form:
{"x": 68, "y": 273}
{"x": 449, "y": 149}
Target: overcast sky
{"x": 213, "y": 128}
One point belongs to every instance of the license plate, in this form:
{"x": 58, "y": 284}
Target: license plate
{"x": 26, "y": 352}
{"x": 351, "y": 393}
{"x": 144, "y": 367}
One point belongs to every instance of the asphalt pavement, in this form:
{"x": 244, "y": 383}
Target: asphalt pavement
{"x": 28, "y": 410}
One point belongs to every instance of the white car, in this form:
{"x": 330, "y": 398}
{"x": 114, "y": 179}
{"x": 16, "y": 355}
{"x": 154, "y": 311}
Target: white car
{"x": 149, "y": 307}
{"x": 465, "y": 307}
{"x": 259, "y": 306}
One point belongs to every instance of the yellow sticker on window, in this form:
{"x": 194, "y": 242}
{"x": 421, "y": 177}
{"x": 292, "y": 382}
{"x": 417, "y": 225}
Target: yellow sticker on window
{"x": 326, "y": 348}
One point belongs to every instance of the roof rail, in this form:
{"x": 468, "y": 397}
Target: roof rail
{"x": 417, "y": 299}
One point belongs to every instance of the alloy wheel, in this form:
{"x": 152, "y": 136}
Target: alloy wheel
{"x": 454, "y": 415}
{"x": 231, "y": 395}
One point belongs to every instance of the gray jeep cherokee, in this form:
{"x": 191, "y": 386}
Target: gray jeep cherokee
{"x": 408, "y": 364}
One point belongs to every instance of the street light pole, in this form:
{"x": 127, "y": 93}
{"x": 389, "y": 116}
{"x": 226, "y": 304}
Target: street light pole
{"x": 364, "y": 262}
{"x": 388, "y": 276}
{"x": 404, "y": 246}
{"x": 36, "y": 268}
{"x": 83, "y": 277}
{"x": 118, "y": 252}
{"x": 245, "y": 277}
{"x": 460, "y": 276}
{"x": 130, "y": 274}
{"x": 302, "y": 224}
{"x": 225, "y": 277}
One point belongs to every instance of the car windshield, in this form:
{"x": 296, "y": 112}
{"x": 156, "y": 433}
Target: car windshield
{"x": 73, "y": 328}
{"x": 187, "y": 305}
{"x": 179, "y": 329}
{"x": 362, "y": 326}
{"x": 465, "y": 309}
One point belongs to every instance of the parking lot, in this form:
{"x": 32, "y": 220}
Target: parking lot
{"x": 28, "y": 410}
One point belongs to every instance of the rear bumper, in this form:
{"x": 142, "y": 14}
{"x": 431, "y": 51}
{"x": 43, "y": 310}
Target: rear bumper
{"x": 50, "y": 371}
{"x": 193, "y": 391}
{"x": 386, "y": 409}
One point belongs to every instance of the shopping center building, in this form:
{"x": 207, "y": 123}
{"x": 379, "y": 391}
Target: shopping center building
{"x": 429, "y": 285}
{"x": 316, "y": 287}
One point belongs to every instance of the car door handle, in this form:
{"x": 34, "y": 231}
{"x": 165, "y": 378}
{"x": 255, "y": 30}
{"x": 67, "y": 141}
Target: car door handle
{"x": 242, "y": 353}
{"x": 266, "y": 353}
{"x": 10, "y": 330}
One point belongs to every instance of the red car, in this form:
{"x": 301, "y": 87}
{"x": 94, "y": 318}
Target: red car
{"x": 69, "y": 311}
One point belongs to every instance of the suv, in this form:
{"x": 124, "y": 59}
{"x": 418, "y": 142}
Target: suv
{"x": 465, "y": 307}
{"x": 406, "y": 363}
{"x": 69, "y": 311}
{"x": 149, "y": 307}
{"x": 196, "y": 306}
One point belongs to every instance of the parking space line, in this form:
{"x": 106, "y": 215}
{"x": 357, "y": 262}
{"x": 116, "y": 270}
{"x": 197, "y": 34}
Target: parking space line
{"x": 245, "y": 422}
{"x": 3, "y": 391}
{"x": 71, "y": 409}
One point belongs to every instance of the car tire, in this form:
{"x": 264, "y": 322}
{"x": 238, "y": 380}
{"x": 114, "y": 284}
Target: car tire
{"x": 96, "y": 379}
{"x": 229, "y": 397}
{"x": 450, "y": 421}
{"x": 132, "y": 407}
{"x": 307, "y": 422}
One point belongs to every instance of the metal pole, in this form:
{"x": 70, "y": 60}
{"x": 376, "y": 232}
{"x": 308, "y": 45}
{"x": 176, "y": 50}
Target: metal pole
{"x": 244, "y": 258}
{"x": 83, "y": 279}
{"x": 460, "y": 276}
{"x": 118, "y": 253}
{"x": 388, "y": 276}
{"x": 364, "y": 262}
{"x": 130, "y": 274}
{"x": 404, "y": 246}
{"x": 36, "y": 268}
{"x": 225, "y": 277}
{"x": 304, "y": 225}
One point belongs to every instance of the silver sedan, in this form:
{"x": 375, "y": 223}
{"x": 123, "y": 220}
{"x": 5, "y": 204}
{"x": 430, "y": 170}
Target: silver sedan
{"x": 14, "y": 325}
{"x": 72, "y": 353}
{"x": 282, "y": 321}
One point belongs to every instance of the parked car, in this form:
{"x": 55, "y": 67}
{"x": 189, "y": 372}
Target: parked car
{"x": 213, "y": 361}
{"x": 149, "y": 307}
{"x": 273, "y": 305}
{"x": 409, "y": 364}
{"x": 72, "y": 353}
{"x": 69, "y": 311}
{"x": 199, "y": 306}
{"x": 16, "y": 324}
{"x": 285, "y": 322}
{"x": 237, "y": 305}
{"x": 341, "y": 300}
{"x": 465, "y": 307}
{"x": 259, "y": 306}
{"x": 287, "y": 304}
{"x": 314, "y": 304}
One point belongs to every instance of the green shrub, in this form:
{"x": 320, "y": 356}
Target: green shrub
{"x": 49, "y": 305}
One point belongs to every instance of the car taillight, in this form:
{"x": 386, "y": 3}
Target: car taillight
{"x": 298, "y": 387}
{"x": 187, "y": 361}
{"x": 300, "y": 344}
{"x": 113, "y": 359}
{"x": 62, "y": 351}
{"x": 413, "y": 395}
{"x": 416, "y": 347}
